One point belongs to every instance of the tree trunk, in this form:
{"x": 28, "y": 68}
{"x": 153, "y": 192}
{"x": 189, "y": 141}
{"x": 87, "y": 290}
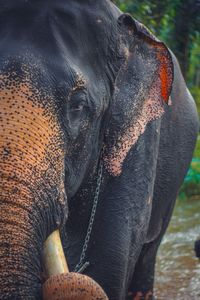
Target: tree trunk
{"x": 182, "y": 29}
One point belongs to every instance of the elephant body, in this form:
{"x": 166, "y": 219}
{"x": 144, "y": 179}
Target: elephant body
{"x": 97, "y": 133}
{"x": 134, "y": 209}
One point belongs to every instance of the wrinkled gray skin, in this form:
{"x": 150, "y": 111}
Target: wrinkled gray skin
{"x": 82, "y": 84}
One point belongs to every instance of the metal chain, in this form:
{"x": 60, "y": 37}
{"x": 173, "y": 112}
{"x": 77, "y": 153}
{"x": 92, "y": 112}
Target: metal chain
{"x": 80, "y": 267}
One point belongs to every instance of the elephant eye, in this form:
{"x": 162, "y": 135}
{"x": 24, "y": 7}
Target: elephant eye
{"x": 76, "y": 106}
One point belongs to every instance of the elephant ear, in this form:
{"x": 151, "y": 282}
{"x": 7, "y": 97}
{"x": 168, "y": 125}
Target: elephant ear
{"x": 142, "y": 89}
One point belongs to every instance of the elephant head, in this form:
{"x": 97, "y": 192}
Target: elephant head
{"x": 76, "y": 78}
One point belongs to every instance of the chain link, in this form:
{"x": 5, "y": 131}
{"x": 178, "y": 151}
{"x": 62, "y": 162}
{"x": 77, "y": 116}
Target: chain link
{"x": 80, "y": 267}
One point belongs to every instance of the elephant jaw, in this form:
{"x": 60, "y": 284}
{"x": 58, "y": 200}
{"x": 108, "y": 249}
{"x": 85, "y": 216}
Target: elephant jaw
{"x": 61, "y": 284}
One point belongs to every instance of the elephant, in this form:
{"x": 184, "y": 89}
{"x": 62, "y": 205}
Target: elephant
{"x": 197, "y": 248}
{"x": 97, "y": 130}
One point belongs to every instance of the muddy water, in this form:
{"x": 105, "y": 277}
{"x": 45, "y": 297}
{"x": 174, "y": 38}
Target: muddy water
{"x": 177, "y": 269}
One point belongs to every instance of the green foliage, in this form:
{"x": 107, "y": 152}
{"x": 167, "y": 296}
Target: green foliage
{"x": 151, "y": 13}
{"x": 193, "y": 74}
{"x": 191, "y": 185}
{"x": 197, "y": 149}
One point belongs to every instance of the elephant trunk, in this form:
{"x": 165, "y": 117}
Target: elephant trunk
{"x": 32, "y": 196}
{"x": 19, "y": 246}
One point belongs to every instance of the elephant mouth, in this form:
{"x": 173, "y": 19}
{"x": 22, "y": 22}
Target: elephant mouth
{"x": 61, "y": 284}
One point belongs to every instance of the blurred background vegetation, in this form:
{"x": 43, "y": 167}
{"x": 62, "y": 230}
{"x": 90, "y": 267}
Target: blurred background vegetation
{"x": 177, "y": 23}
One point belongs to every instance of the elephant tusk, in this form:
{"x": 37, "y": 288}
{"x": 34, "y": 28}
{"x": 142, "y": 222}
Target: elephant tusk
{"x": 62, "y": 285}
{"x": 53, "y": 256}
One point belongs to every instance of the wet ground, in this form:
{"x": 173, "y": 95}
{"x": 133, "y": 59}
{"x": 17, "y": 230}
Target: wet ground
{"x": 178, "y": 270}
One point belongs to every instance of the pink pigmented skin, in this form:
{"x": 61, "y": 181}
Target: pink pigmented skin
{"x": 153, "y": 108}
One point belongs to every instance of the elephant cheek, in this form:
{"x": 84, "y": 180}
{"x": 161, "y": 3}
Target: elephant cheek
{"x": 30, "y": 137}
{"x": 31, "y": 150}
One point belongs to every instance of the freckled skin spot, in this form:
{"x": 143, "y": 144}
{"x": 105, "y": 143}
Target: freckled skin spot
{"x": 72, "y": 286}
{"x": 32, "y": 141}
{"x": 30, "y": 132}
{"x": 80, "y": 84}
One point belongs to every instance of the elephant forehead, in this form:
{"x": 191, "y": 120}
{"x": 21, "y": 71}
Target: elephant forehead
{"x": 29, "y": 131}
{"x": 152, "y": 108}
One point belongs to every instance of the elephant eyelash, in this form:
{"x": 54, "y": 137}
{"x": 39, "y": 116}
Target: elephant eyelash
{"x": 77, "y": 108}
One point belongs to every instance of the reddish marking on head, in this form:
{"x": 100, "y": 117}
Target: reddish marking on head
{"x": 165, "y": 72}
{"x": 164, "y": 78}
